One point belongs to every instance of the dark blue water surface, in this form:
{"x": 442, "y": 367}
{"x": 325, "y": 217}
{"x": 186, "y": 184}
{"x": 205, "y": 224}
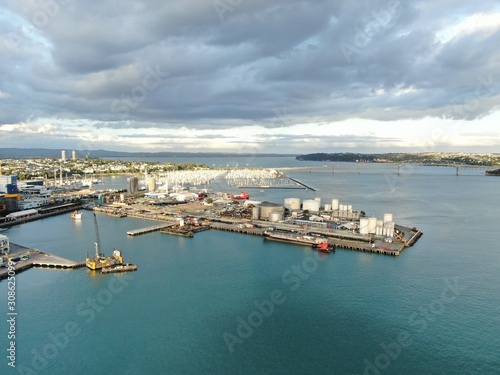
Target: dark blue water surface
{"x": 226, "y": 303}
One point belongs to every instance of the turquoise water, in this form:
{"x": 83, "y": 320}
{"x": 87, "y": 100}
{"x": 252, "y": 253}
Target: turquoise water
{"x": 435, "y": 309}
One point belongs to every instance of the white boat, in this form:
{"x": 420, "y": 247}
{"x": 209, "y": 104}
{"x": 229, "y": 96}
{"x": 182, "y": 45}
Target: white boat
{"x": 76, "y": 215}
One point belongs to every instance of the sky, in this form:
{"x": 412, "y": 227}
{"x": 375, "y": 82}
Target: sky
{"x": 259, "y": 76}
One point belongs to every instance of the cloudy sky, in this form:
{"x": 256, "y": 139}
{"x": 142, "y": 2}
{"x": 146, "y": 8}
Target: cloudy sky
{"x": 251, "y": 75}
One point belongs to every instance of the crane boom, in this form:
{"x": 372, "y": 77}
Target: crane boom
{"x": 98, "y": 239}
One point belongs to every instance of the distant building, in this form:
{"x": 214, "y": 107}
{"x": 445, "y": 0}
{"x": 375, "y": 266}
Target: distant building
{"x": 133, "y": 185}
{"x": 63, "y": 155}
{"x": 8, "y": 184}
{"x": 27, "y": 204}
{"x": 73, "y": 155}
{"x": 151, "y": 183}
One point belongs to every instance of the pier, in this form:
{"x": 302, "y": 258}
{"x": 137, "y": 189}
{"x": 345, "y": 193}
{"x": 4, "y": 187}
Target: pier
{"x": 302, "y": 184}
{"x": 36, "y": 258}
{"x": 394, "y": 250}
{"x": 154, "y": 228}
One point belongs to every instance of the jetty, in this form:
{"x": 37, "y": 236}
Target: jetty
{"x": 26, "y": 258}
{"x": 153, "y": 228}
{"x": 301, "y": 184}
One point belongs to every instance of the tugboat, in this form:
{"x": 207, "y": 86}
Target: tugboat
{"x": 324, "y": 247}
{"x": 76, "y": 215}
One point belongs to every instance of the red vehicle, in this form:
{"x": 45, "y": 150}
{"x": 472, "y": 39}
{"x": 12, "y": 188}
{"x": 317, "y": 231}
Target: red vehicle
{"x": 242, "y": 195}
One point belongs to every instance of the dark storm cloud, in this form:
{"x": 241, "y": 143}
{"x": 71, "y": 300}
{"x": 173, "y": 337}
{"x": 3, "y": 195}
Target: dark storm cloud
{"x": 221, "y": 64}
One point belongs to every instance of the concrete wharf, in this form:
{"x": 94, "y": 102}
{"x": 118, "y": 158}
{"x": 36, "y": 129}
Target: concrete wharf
{"x": 237, "y": 228}
{"x": 43, "y": 213}
{"x": 394, "y": 250}
{"x": 153, "y": 228}
{"x": 36, "y": 258}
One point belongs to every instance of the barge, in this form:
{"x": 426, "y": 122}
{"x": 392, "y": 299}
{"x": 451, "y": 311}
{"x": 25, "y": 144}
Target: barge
{"x": 184, "y": 230}
{"x": 296, "y": 238}
{"x": 120, "y": 268}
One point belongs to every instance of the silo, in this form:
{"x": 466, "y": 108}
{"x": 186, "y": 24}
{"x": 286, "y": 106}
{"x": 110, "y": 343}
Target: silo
{"x": 335, "y": 204}
{"x": 380, "y": 223}
{"x": 372, "y": 224}
{"x": 310, "y": 205}
{"x": 275, "y": 216}
{"x": 378, "y": 231}
{"x": 255, "y": 213}
{"x": 292, "y": 203}
{"x": 363, "y": 225}
{"x": 328, "y": 207}
{"x": 389, "y": 226}
{"x": 387, "y": 218}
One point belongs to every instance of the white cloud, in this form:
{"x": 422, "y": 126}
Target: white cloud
{"x": 251, "y": 81}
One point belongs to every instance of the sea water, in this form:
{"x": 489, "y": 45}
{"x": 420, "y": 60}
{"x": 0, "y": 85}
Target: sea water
{"x": 228, "y": 303}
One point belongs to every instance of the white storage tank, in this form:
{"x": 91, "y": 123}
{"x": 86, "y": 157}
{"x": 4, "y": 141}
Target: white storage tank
{"x": 363, "y": 225}
{"x": 387, "y": 218}
{"x": 310, "y": 205}
{"x": 372, "y": 224}
{"x": 267, "y": 207}
{"x": 379, "y": 231}
{"x": 380, "y": 223}
{"x": 275, "y": 216}
{"x": 292, "y": 203}
{"x": 328, "y": 207}
{"x": 335, "y": 204}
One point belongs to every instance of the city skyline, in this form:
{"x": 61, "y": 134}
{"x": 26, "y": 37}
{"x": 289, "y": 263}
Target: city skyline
{"x": 260, "y": 77}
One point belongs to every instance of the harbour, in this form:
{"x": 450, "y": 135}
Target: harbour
{"x": 220, "y": 273}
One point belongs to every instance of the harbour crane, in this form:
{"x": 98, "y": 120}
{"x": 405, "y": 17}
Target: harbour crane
{"x": 98, "y": 239}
